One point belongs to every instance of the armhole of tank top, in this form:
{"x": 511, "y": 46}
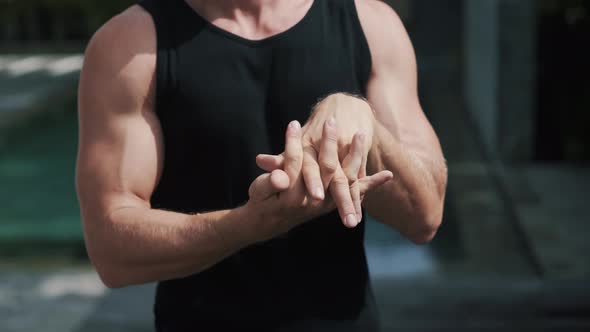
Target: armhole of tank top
{"x": 162, "y": 67}
{"x": 363, "y": 51}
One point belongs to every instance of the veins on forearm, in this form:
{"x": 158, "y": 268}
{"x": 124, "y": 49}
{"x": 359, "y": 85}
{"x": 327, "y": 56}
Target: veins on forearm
{"x": 406, "y": 162}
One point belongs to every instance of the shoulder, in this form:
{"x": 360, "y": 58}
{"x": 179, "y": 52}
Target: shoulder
{"x": 385, "y": 32}
{"x": 377, "y": 12}
{"x": 126, "y": 41}
{"x": 129, "y": 29}
{"x": 122, "y": 54}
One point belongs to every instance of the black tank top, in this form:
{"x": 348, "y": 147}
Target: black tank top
{"x": 222, "y": 99}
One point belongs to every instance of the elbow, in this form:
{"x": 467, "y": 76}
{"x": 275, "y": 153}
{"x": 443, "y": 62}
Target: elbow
{"x": 111, "y": 275}
{"x": 426, "y": 224}
{"x": 430, "y": 212}
{"x": 110, "y": 278}
{"x": 114, "y": 270}
{"x": 423, "y": 236}
{"x": 418, "y": 209}
{"x": 106, "y": 256}
{"x": 110, "y": 272}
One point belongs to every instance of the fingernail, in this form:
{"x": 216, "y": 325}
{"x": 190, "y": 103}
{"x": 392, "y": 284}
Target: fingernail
{"x": 294, "y": 125}
{"x": 351, "y": 220}
{"x": 331, "y": 122}
{"x": 319, "y": 193}
{"x": 359, "y": 218}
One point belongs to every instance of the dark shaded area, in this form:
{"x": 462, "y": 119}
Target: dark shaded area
{"x": 54, "y": 21}
{"x": 563, "y": 116}
{"x": 448, "y": 245}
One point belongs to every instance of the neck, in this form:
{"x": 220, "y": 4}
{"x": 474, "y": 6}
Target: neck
{"x": 252, "y": 19}
{"x": 236, "y": 8}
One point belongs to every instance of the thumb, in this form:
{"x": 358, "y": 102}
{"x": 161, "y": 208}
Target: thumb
{"x": 267, "y": 185}
{"x": 369, "y": 183}
{"x": 270, "y": 162}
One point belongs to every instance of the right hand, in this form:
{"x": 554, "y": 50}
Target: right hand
{"x": 279, "y": 201}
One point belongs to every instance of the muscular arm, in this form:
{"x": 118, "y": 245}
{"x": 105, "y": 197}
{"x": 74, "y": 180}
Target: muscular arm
{"x": 404, "y": 142}
{"x": 119, "y": 161}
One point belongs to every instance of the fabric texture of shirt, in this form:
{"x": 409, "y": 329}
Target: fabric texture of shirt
{"x": 222, "y": 99}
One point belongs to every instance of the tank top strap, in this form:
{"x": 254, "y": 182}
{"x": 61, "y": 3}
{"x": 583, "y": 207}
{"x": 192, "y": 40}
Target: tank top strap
{"x": 167, "y": 40}
{"x": 361, "y": 46}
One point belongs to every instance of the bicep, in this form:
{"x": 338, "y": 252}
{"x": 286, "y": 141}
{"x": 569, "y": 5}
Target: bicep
{"x": 120, "y": 146}
{"x": 119, "y": 159}
{"x": 398, "y": 109}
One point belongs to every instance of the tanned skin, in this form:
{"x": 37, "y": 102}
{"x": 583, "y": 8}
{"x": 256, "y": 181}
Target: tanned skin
{"x": 121, "y": 151}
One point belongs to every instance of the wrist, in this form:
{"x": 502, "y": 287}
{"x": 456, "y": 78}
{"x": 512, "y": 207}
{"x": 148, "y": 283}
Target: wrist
{"x": 249, "y": 218}
{"x": 374, "y": 157}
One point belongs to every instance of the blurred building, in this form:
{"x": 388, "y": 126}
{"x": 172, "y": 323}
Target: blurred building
{"x": 505, "y": 84}
{"x": 524, "y": 71}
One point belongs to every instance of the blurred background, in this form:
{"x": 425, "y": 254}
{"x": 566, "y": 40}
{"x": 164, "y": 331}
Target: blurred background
{"x": 506, "y": 84}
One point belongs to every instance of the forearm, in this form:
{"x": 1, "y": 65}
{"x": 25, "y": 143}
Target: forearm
{"x": 137, "y": 245}
{"x": 413, "y": 201}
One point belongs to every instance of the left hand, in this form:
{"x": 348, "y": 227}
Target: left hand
{"x": 348, "y": 124}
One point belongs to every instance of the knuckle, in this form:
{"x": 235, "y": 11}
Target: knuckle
{"x": 330, "y": 137}
{"x": 335, "y": 98}
{"x": 292, "y": 159}
{"x": 310, "y": 150}
{"x": 328, "y": 166}
{"x": 340, "y": 180}
{"x": 350, "y": 175}
{"x": 309, "y": 164}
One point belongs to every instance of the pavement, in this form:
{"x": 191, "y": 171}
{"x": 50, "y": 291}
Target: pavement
{"x": 418, "y": 288}
{"x": 510, "y": 255}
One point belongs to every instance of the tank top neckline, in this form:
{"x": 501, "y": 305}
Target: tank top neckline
{"x": 242, "y": 40}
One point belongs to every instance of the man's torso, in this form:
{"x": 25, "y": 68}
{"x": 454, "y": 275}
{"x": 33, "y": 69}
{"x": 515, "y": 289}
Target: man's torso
{"x": 221, "y": 100}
